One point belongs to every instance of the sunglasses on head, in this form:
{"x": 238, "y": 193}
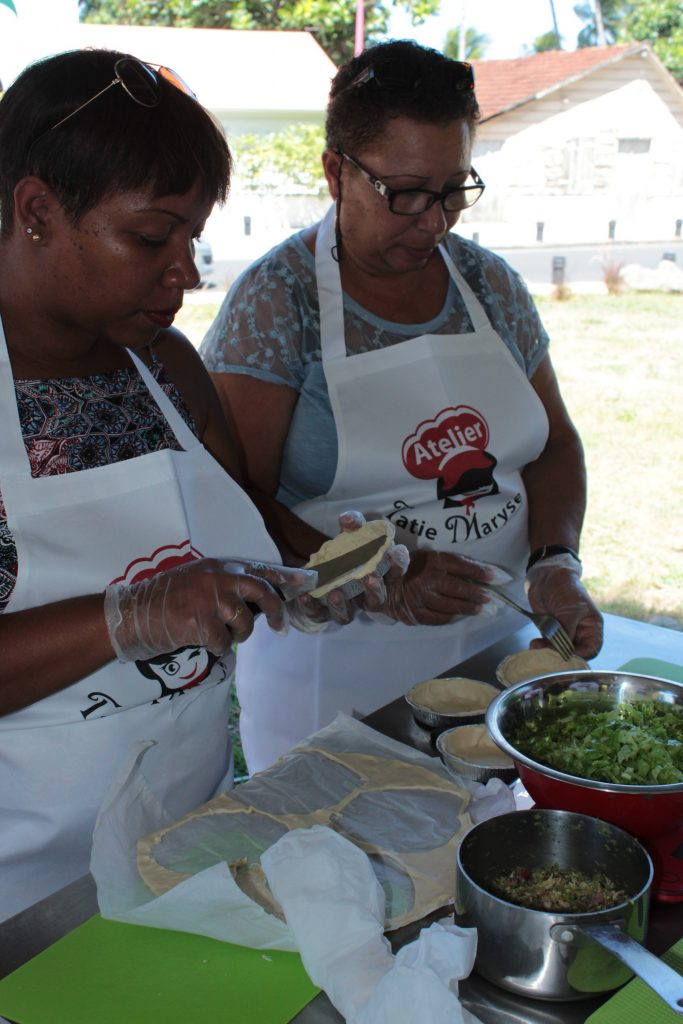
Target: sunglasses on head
{"x": 138, "y": 80}
{"x": 456, "y": 74}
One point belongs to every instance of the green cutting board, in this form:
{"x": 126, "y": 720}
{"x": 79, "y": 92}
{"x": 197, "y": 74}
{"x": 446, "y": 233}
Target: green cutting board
{"x": 636, "y": 1003}
{"x": 654, "y": 667}
{"x": 110, "y": 973}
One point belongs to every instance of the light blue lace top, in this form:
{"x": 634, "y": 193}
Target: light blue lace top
{"x": 269, "y": 327}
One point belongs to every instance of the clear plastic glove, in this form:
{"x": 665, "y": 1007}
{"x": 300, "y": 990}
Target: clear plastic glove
{"x": 439, "y": 587}
{"x": 556, "y": 589}
{"x": 311, "y": 615}
{"x": 209, "y": 603}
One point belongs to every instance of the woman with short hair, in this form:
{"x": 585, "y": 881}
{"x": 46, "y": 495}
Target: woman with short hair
{"x": 131, "y": 561}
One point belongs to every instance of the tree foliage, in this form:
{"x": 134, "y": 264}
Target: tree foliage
{"x": 547, "y": 41}
{"x": 287, "y": 161}
{"x": 661, "y": 22}
{"x": 475, "y": 44}
{"x": 134, "y": 12}
{"x": 658, "y": 21}
{"x": 332, "y": 22}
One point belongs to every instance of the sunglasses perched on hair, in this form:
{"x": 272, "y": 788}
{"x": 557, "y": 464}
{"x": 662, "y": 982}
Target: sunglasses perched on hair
{"x": 408, "y": 202}
{"x": 456, "y": 74}
{"x": 139, "y": 81}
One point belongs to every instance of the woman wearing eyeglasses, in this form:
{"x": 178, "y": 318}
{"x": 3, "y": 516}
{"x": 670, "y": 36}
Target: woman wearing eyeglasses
{"x": 381, "y": 361}
{"x": 130, "y": 560}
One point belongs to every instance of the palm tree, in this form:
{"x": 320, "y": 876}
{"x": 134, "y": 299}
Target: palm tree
{"x": 474, "y": 48}
{"x": 555, "y": 28}
{"x": 599, "y": 24}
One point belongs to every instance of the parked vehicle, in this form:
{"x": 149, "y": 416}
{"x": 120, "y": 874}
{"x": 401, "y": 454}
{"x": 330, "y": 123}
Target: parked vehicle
{"x": 203, "y": 257}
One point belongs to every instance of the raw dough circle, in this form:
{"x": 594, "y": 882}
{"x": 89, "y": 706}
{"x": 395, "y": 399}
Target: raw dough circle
{"x": 542, "y": 661}
{"x": 473, "y": 744}
{"x": 455, "y": 695}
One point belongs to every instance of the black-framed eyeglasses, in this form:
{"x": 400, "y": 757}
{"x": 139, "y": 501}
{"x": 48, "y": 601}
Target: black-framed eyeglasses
{"x": 139, "y": 81}
{"x": 408, "y": 202}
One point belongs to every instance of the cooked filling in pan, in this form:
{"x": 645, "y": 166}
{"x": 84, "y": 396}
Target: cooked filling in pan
{"x": 556, "y": 889}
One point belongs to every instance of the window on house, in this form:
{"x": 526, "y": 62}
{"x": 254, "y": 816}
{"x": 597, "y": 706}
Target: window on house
{"x": 634, "y": 145}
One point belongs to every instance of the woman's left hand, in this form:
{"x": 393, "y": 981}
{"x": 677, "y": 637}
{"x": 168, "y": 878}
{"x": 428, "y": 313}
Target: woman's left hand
{"x": 557, "y": 590}
{"x": 311, "y": 615}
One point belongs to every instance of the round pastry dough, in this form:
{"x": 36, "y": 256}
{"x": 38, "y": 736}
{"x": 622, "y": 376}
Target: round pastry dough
{"x": 345, "y": 542}
{"x": 455, "y": 695}
{"x": 542, "y": 661}
{"x": 472, "y": 743}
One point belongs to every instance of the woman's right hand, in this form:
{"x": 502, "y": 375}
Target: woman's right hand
{"x": 203, "y": 603}
{"x": 439, "y": 587}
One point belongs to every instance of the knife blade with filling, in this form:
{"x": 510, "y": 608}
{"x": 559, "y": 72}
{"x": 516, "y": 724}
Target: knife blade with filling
{"x": 333, "y": 568}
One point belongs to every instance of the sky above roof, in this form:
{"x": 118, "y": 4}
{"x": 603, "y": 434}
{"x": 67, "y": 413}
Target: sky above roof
{"x": 511, "y": 25}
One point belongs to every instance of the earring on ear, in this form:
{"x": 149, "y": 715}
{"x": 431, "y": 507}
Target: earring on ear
{"x": 35, "y": 237}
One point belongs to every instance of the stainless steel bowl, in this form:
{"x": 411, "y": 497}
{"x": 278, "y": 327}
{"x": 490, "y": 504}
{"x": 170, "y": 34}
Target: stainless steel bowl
{"x": 643, "y": 810}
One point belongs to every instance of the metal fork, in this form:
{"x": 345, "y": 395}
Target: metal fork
{"x": 548, "y": 627}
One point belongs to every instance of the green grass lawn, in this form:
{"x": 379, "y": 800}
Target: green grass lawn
{"x": 619, "y": 360}
{"x": 620, "y": 364}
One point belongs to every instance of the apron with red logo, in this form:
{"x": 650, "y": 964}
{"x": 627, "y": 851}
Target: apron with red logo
{"x": 433, "y": 434}
{"x": 75, "y": 533}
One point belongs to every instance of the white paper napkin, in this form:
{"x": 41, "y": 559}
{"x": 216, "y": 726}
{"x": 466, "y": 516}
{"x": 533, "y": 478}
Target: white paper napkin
{"x": 334, "y": 908}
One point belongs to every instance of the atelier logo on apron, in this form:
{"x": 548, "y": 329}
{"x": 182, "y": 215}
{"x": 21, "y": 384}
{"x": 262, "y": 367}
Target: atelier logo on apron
{"x": 452, "y": 449}
{"x": 176, "y": 671}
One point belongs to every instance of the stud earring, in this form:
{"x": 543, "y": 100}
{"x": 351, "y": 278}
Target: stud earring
{"x": 35, "y": 237}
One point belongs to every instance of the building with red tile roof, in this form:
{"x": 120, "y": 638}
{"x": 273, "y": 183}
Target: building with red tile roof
{"x": 503, "y": 85}
{"x": 582, "y": 146}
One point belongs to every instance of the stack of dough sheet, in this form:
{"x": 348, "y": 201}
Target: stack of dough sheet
{"x": 398, "y": 805}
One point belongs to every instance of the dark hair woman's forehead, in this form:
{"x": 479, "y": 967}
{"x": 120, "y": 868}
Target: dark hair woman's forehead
{"x": 397, "y": 79}
{"x": 112, "y": 145}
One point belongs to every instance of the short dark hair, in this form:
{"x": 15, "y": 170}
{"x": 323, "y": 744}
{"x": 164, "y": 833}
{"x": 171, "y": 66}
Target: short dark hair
{"x": 113, "y": 145}
{"x": 402, "y": 79}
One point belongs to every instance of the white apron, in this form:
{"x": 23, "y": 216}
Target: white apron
{"x": 433, "y": 434}
{"x": 75, "y": 533}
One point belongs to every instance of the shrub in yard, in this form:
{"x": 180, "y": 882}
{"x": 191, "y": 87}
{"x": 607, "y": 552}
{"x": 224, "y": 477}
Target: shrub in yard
{"x": 561, "y": 293}
{"x": 612, "y": 276}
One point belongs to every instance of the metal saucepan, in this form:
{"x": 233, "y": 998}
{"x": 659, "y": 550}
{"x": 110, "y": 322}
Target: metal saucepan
{"x": 548, "y": 955}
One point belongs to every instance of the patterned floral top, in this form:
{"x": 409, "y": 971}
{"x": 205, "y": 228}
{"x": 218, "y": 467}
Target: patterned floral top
{"x": 76, "y": 423}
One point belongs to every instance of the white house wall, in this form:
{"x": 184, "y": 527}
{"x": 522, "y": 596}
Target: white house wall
{"x": 559, "y": 167}
{"x": 251, "y": 224}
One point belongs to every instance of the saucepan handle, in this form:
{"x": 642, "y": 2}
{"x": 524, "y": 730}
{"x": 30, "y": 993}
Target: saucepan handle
{"x": 667, "y": 983}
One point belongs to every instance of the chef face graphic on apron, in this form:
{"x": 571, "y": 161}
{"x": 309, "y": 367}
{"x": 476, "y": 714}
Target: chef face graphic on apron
{"x": 75, "y": 533}
{"x": 433, "y": 434}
